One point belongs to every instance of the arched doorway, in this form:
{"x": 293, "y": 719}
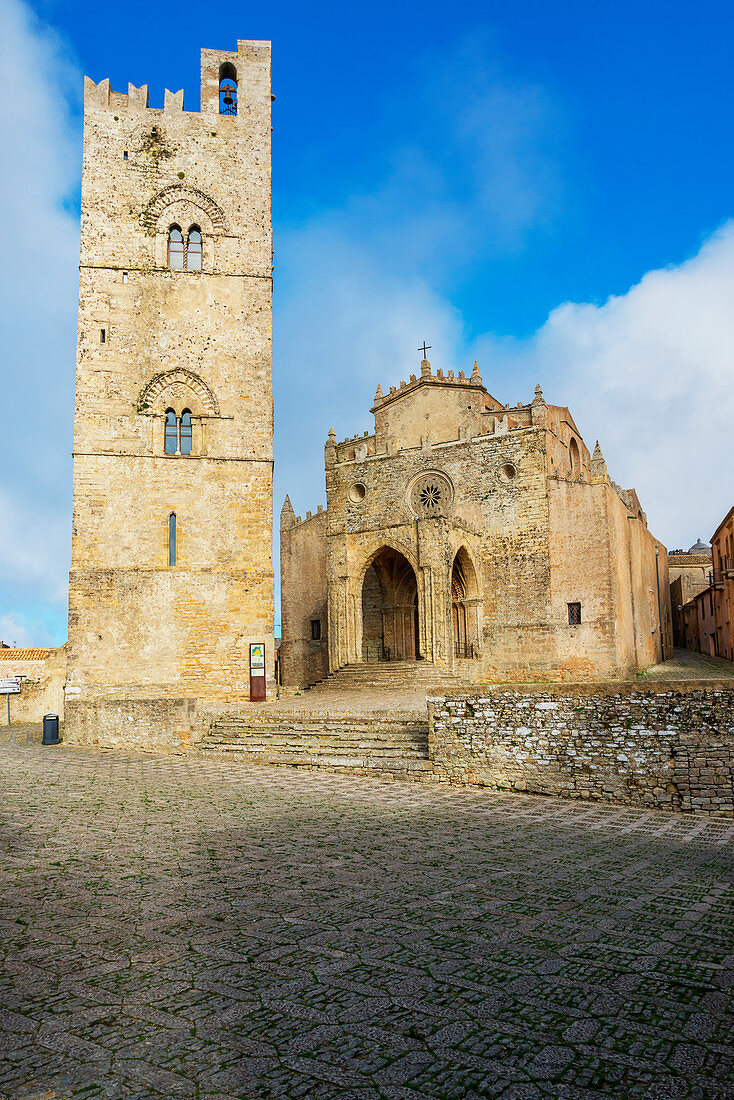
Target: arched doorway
{"x": 390, "y": 609}
{"x": 464, "y": 603}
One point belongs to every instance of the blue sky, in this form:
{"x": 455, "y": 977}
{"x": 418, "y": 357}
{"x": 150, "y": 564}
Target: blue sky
{"x": 546, "y": 187}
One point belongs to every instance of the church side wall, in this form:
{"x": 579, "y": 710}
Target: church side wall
{"x": 303, "y": 600}
{"x": 581, "y": 566}
{"x": 605, "y": 560}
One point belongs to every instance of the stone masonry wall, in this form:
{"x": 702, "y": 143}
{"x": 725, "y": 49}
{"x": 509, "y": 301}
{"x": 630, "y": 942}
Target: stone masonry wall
{"x": 671, "y": 748}
{"x": 42, "y": 673}
{"x": 144, "y": 623}
{"x": 156, "y": 725}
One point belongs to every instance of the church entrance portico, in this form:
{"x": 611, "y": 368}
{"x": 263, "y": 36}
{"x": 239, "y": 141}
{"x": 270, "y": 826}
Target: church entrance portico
{"x": 389, "y": 603}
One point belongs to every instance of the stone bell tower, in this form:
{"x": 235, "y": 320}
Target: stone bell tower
{"x": 171, "y": 574}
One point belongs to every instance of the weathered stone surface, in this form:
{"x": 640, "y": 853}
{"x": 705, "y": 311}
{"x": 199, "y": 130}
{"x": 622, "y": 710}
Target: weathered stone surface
{"x": 153, "y": 339}
{"x": 671, "y": 750}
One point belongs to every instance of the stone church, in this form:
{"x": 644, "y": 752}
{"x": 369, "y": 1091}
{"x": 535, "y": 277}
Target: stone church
{"x": 480, "y": 538}
{"x": 171, "y": 574}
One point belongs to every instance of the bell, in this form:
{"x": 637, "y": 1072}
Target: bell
{"x": 228, "y": 96}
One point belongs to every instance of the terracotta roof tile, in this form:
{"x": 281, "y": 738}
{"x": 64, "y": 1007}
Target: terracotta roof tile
{"x": 23, "y": 654}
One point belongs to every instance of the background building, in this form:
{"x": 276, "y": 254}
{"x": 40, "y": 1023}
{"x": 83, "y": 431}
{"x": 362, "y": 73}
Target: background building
{"x": 722, "y": 553}
{"x": 480, "y": 538}
{"x": 690, "y": 573}
{"x": 171, "y": 574}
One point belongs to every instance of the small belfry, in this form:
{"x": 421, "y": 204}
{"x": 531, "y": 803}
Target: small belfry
{"x": 171, "y": 577}
{"x": 475, "y": 537}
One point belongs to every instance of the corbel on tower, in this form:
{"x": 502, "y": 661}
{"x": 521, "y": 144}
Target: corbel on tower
{"x": 137, "y": 97}
{"x": 173, "y": 101}
{"x": 97, "y": 93}
{"x": 425, "y": 369}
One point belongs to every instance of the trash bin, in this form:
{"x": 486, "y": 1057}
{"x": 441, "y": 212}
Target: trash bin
{"x": 50, "y": 729}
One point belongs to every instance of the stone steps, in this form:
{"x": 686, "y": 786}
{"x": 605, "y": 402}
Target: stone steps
{"x": 389, "y": 676}
{"x": 371, "y": 745}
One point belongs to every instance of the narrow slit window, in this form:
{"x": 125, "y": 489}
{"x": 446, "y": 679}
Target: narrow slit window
{"x": 124, "y": 155}
{"x": 193, "y": 251}
{"x": 574, "y": 614}
{"x": 175, "y": 249}
{"x": 186, "y": 433}
{"x": 102, "y": 336}
{"x": 172, "y": 539}
{"x": 124, "y": 276}
{"x": 171, "y": 435}
{"x": 315, "y": 630}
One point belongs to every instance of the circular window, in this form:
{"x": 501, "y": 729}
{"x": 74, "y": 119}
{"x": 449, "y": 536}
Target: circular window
{"x": 357, "y": 492}
{"x": 431, "y": 495}
{"x": 508, "y": 472}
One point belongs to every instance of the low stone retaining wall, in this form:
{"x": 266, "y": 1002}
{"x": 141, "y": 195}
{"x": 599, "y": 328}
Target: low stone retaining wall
{"x": 669, "y": 746}
{"x": 157, "y": 724}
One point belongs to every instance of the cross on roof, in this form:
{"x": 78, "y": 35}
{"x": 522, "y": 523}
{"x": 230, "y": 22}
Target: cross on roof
{"x": 425, "y": 348}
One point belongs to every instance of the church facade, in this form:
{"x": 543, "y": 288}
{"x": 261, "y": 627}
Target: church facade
{"x": 171, "y": 576}
{"x": 484, "y": 539}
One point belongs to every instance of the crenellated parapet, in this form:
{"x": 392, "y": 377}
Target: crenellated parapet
{"x": 249, "y": 64}
{"x": 428, "y": 378}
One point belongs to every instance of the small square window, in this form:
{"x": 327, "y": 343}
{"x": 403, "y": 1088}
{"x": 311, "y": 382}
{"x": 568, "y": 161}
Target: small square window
{"x": 574, "y": 613}
{"x": 102, "y": 336}
{"x": 315, "y": 630}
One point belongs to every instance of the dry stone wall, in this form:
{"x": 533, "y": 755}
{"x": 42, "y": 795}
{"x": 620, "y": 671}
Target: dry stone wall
{"x": 670, "y": 749}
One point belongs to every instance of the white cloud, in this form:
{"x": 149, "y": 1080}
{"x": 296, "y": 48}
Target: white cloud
{"x": 651, "y": 374}
{"x": 39, "y": 170}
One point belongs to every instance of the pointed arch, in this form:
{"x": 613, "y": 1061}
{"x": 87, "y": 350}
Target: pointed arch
{"x": 389, "y": 595}
{"x": 464, "y": 605}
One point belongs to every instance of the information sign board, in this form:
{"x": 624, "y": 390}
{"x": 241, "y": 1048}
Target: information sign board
{"x": 10, "y": 686}
{"x": 257, "y": 672}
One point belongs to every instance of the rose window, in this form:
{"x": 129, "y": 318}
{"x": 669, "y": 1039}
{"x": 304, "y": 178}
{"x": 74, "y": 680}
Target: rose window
{"x": 431, "y": 495}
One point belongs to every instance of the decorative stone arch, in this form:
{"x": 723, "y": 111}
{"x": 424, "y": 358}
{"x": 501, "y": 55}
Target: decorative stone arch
{"x": 388, "y": 602}
{"x": 574, "y": 458}
{"x": 178, "y": 387}
{"x": 466, "y": 603}
{"x": 179, "y": 194}
{"x": 380, "y": 544}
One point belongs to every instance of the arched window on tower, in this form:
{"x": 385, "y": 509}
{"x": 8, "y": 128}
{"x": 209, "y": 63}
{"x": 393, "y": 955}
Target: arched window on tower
{"x": 171, "y": 437}
{"x": 186, "y": 432}
{"x": 227, "y": 89}
{"x": 193, "y": 249}
{"x": 175, "y": 248}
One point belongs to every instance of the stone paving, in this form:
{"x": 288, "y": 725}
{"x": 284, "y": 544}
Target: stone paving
{"x": 409, "y": 701}
{"x": 182, "y": 927}
{"x": 687, "y": 665}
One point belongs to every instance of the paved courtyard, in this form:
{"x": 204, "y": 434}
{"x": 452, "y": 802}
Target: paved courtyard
{"x": 179, "y": 927}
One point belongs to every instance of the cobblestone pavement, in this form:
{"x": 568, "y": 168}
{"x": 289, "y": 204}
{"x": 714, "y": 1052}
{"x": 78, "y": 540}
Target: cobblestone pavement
{"x": 686, "y": 665}
{"x": 178, "y": 927}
